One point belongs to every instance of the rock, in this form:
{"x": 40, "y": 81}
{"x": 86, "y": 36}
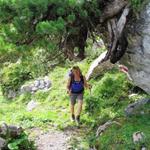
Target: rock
{"x": 137, "y": 57}
{"x": 2, "y": 143}
{"x": 25, "y": 88}
{"x": 38, "y": 84}
{"x": 34, "y": 89}
{"x": 11, "y": 130}
{"x": 138, "y": 136}
{"x": 14, "y": 131}
{"x": 41, "y": 86}
{"x": 135, "y": 108}
{"x": 31, "y": 105}
{"x": 3, "y": 129}
{"x": 103, "y": 127}
{"x": 98, "y": 68}
{"x": 47, "y": 82}
{"x": 11, "y": 94}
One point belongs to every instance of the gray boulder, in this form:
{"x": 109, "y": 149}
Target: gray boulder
{"x": 38, "y": 84}
{"x": 32, "y": 105}
{"x": 42, "y": 84}
{"x": 138, "y": 107}
{"x": 25, "y": 88}
{"x": 47, "y": 82}
{"x": 2, "y": 143}
{"x": 137, "y": 57}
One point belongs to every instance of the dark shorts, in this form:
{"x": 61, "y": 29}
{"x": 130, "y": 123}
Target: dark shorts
{"x": 74, "y": 97}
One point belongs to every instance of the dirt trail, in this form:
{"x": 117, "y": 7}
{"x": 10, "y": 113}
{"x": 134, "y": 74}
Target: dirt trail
{"x": 53, "y": 139}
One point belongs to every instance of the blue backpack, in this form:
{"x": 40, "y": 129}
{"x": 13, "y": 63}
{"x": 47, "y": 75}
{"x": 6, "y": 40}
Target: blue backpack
{"x": 76, "y": 86}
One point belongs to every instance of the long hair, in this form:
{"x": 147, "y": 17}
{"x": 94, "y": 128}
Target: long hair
{"x": 77, "y": 68}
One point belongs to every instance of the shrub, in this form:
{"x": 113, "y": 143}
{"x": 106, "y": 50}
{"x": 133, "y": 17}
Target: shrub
{"x": 13, "y": 77}
{"x": 106, "y": 93}
{"x": 21, "y": 143}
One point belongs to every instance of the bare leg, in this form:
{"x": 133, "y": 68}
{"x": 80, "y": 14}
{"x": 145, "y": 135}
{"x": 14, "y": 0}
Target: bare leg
{"x": 72, "y": 109}
{"x": 72, "y": 112}
{"x": 80, "y": 102}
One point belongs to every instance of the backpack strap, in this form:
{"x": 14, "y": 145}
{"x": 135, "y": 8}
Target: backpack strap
{"x": 72, "y": 78}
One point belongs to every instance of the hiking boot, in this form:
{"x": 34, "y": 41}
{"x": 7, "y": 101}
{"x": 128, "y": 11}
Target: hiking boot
{"x": 72, "y": 117}
{"x": 78, "y": 120}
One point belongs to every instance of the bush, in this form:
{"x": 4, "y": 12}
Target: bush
{"x": 13, "y": 77}
{"x": 21, "y": 143}
{"x": 107, "y": 93}
{"x": 138, "y": 4}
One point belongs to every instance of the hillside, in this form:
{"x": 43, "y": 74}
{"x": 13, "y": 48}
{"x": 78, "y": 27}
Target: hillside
{"x": 46, "y": 49}
{"x": 109, "y": 96}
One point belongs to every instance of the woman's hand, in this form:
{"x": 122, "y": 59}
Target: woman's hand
{"x": 68, "y": 92}
{"x": 89, "y": 86}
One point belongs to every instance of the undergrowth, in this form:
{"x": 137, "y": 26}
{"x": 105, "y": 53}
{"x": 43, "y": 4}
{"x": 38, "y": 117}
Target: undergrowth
{"x": 106, "y": 101}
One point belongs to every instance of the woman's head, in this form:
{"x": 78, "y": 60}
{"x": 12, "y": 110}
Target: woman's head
{"x": 76, "y": 70}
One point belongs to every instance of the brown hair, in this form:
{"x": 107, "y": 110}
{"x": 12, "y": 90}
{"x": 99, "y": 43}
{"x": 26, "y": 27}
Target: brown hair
{"x": 77, "y": 68}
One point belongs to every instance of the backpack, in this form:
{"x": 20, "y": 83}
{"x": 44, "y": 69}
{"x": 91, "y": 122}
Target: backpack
{"x": 76, "y": 86}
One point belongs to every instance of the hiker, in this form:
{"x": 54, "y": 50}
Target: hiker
{"x": 75, "y": 89}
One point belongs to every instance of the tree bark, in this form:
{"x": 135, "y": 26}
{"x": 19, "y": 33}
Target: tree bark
{"x": 115, "y": 28}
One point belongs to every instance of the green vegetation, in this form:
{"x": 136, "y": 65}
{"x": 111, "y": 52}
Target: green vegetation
{"x": 107, "y": 101}
{"x": 13, "y": 77}
{"x": 40, "y": 37}
{"x": 46, "y": 24}
{"x": 21, "y": 143}
{"x": 137, "y": 4}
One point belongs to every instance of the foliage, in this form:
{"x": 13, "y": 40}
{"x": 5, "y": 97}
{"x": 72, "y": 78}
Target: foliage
{"x": 21, "y": 143}
{"x": 13, "y": 77}
{"x": 107, "y": 101}
{"x": 108, "y": 92}
{"x": 32, "y": 35}
{"x": 45, "y": 24}
{"x": 94, "y": 48}
{"x": 121, "y": 136}
{"x": 138, "y": 4}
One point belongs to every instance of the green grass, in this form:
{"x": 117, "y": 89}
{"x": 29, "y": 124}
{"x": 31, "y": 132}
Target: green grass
{"x": 107, "y": 101}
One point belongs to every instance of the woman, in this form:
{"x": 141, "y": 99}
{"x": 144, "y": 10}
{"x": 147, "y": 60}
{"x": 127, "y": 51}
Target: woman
{"x": 75, "y": 88}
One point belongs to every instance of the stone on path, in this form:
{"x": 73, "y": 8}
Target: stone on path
{"x": 31, "y": 105}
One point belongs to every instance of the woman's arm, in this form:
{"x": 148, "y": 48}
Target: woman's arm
{"x": 86, "y": 85}
{"x": 68, "y": 85}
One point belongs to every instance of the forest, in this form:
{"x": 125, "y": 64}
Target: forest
{"x": 41, "y": 41}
